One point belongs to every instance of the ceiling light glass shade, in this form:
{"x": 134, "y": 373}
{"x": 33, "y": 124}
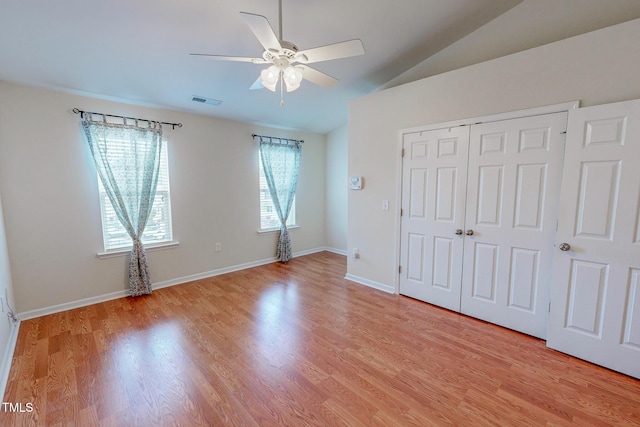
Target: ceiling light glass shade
{"x": 269, "y": 77}
{"x": 292, "y": 77}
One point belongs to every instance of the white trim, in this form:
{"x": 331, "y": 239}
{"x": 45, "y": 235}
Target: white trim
{"x": 212, "y": 273}
{"x": 337, "y": 251}
{"x": 273, "y": 230}
{"x": 370, "y": 283}
{"x": 39, "y": 312}
{"x": 308, "y": 252}
{"x": 7, "y": 357}
{"x": 536, "y": 111}
{"x": 159, "y": 285}
{"x": 127, "y": 250}
{"x": 397, "y": 217}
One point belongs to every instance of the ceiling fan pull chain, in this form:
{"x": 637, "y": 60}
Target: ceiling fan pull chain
{"x": 281, "y": 91}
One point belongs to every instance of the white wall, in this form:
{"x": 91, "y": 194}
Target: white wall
{"x": 336, "y": 196}
{"x": 51, "y": 205}
{"x": 596, "y": 68}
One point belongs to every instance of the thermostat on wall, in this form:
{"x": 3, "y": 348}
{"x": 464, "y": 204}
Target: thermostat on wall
{"x": 355, "y": 183}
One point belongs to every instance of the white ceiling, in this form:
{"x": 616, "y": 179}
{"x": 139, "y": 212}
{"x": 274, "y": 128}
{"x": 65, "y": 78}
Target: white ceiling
{"x": 138, "y": 50}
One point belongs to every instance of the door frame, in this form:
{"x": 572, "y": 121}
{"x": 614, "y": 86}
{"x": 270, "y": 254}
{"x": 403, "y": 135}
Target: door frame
{"x": 536, "y": 111}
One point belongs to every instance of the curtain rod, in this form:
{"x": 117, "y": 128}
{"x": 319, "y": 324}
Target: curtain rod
{"x": 271, "y": 138}
{"x": 82, "y": 113}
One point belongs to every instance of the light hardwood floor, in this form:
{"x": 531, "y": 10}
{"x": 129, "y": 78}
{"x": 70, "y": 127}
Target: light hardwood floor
{"x": 297, "y": 344}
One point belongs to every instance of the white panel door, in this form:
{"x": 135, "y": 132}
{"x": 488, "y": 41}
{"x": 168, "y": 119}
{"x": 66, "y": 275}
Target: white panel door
{"x": 433, "y": 193}
{"x": 513, "y": 188}
{"x": 595, "y": 310}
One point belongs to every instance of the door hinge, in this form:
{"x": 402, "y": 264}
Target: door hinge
{"x": 563, "y": 136}
{"x": 399, "y": 269}
{"x": 401, "y": 212}
{"x": 549, "y": 306}
{"x": 403, "y": 152}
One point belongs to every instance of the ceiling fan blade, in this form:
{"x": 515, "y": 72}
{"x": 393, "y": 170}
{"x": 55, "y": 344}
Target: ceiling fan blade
{"x": 263, "y": 31}
{"x": 332, "y": 51}
{"x": 317, "y": 77}
{"x": 230, "y": 58}
{"x": 257, "y": 84}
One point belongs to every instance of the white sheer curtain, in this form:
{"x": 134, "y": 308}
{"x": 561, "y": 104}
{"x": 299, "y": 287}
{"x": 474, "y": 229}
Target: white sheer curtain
{"x": 281, "y": 164}
{"x": 127, "y": 158}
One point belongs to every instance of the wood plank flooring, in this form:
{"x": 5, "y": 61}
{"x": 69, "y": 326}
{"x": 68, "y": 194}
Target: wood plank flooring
{"x": 297, "y": 344}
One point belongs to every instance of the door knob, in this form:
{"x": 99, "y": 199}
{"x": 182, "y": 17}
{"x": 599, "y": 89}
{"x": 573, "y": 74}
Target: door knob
{"x": 564, "y": 246}
{"x": 469, "y": 232}
{"x": 459, "y": 232}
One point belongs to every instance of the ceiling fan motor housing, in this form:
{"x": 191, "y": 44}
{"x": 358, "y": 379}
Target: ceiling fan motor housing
{"x": 288, "y": 52}
{"x": 283, "y": 55}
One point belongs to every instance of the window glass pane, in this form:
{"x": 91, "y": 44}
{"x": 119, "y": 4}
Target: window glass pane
{"x": 268, "y": 216}
{"x": 158, "y": 228}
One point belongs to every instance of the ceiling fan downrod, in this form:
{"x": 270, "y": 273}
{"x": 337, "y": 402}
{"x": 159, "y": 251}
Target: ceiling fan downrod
{"x": 286, "y": 63}
{"x": 280, "y": 19}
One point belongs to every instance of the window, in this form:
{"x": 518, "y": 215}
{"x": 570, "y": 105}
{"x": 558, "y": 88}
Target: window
{"x": 268, "y": 216}
{"x": 158, "y": 229}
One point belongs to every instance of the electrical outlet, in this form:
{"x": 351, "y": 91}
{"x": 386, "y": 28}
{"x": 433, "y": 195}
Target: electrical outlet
{"x": 356, "y": 253}
{"x": 218, "y": 247}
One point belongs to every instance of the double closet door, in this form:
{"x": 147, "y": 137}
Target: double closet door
{"x": 479, "y": 209}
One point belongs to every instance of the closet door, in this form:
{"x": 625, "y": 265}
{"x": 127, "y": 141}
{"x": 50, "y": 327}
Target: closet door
{"x": 512, "y": 196}
{"x": 433, "y": 193}
{"x": 595, "y": 309}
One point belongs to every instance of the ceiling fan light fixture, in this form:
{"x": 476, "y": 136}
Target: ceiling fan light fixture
{"x": 282, "y": 55}
{"x": 269, "y": 77}
{"x": 292, "y": 77}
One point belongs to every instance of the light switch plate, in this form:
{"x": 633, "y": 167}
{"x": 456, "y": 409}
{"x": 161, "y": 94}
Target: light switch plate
{"x": 355, "y": 183}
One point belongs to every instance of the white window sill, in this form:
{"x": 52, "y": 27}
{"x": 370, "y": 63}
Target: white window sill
{"x": 127, "y": 250}
{"x": 275, "y": 230}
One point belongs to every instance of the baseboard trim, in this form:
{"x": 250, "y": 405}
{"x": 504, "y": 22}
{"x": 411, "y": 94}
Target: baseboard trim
{"x": 308, "y": 252}
{"x": 212, "y": 273}
{"x": 371, "y": 283}
{"x": 230, "y": 269}
{"x": 7, "y": 357}
{"x": 337, "y": 251}
{"x": 159, "y": 285}
{"x": 39, "y": 312}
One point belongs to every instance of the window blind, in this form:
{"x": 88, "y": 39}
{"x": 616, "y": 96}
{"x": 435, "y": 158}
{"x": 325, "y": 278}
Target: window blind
{"x": 268, "y": 216}
{"x": 158, "y": 229}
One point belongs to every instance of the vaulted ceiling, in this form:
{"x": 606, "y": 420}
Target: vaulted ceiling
{"x": 138, "y": 50}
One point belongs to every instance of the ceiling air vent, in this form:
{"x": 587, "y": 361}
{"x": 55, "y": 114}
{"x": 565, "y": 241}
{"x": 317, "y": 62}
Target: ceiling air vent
{"x": 204, "y": 100}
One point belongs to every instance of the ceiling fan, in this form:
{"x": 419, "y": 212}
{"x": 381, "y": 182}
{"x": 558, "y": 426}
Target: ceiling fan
{"x": 288, "y": 63}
